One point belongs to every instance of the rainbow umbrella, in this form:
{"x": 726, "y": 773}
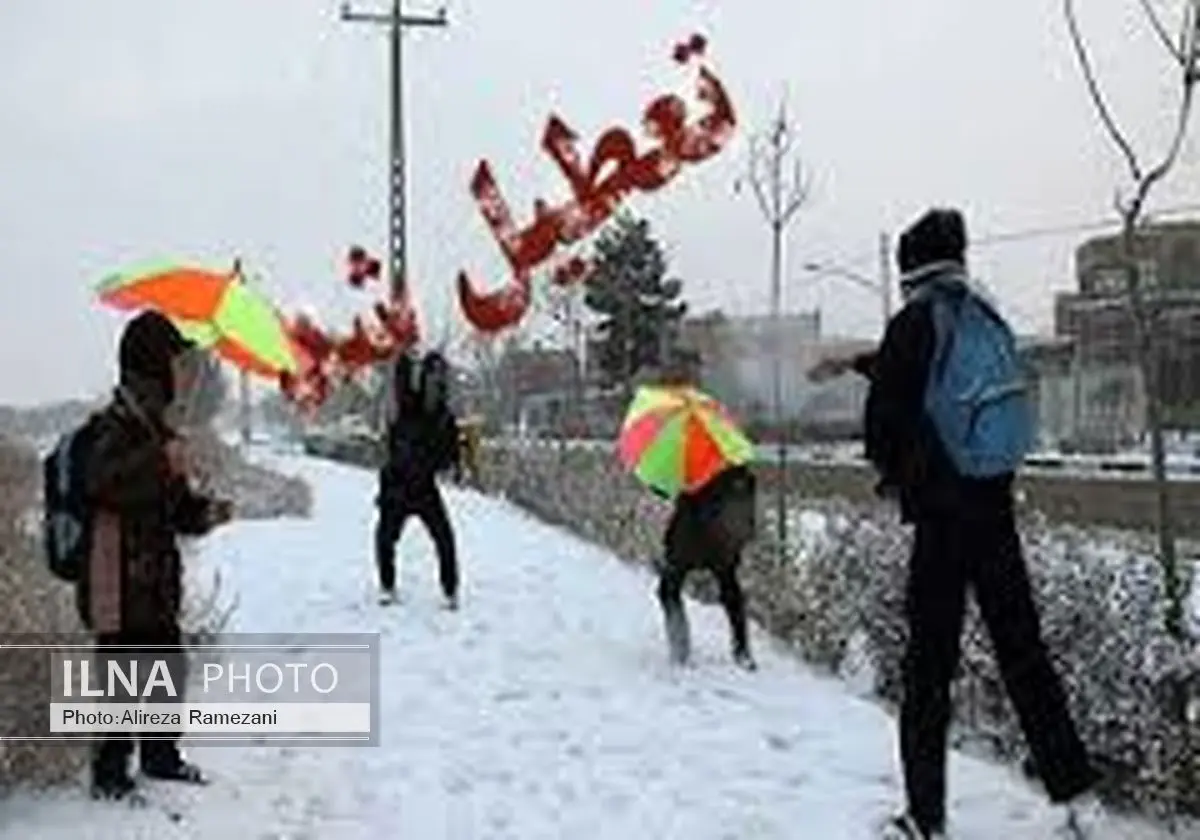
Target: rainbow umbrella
{"x": 213, "y": 308}
{"x": 676, "y": 439}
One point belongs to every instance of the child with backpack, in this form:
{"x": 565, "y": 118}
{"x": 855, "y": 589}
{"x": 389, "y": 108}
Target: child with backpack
{"x": 117, "y": 499}
{"x": 947, "y": 425}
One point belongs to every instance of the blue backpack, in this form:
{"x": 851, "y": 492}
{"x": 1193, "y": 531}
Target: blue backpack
{"x": 66, "y": 515}
{"x": 977, "y": 392}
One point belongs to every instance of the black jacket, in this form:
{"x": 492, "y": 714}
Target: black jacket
{"x": 421, "y": 443}
{"x": 133, "y": 580}
{"x": 900, "y": 440}
{"x": 710, "y": 527}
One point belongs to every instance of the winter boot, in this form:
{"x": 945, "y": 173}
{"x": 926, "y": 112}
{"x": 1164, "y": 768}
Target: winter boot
{"x": 1082, "y": 818}
{"x": 388, "y": 597}
{"x": 743, "y": 659}
{"x": 110, "y": 777}
{"x": 679, "y": 642}
{"x": 167, "y": 765}
{"x": 904, "y": 827}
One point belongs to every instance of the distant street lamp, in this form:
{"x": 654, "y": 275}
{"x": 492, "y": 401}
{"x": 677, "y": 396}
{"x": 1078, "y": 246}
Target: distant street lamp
{"x": 881, "y": 287}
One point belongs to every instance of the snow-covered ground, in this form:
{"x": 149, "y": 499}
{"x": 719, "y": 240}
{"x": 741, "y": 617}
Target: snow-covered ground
{"x": 543, "y": 710}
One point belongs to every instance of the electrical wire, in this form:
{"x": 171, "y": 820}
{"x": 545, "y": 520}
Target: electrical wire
{"x": 1064, "y": 230}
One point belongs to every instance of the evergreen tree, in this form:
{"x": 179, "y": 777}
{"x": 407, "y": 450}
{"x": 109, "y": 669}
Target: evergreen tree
{"x": 639, "y": 307}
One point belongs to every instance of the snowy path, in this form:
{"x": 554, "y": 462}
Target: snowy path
{"x": 543, "y": 710}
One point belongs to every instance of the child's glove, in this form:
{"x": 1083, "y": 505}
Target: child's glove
{"x": 220, "y": 512}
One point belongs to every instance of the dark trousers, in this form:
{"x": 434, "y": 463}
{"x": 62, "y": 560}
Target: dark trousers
{"x": 688, "y": 547}
{"x": 984, "y": 553}
{"x": 670, "y": 596}
{"x": 158, "y": 749}
{"x": 425, "y": 503}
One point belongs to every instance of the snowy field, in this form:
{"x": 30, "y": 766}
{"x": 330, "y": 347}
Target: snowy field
{"x": 544, "y": 710}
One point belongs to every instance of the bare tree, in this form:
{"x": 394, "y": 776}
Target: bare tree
{"x": 1131, "y": 204}
{"x": 781, "y": 186}
{"x": 566, "y": 309}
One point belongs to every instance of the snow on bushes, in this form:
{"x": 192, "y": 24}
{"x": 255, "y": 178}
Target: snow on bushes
{"x": 256, "y": 491}
{"x": 35, "y": 604}
{"x": 838, "y": 598}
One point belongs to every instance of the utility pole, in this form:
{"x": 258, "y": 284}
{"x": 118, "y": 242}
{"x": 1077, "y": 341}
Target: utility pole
{"x": 779, "y": 200}
{"x": 395, "y": 21}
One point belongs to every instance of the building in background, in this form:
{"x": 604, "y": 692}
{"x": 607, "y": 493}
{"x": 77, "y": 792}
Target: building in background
{"x": 735, "y": 356}
{"x": 541, "y": 383}
{"x": 1094, "y": 396}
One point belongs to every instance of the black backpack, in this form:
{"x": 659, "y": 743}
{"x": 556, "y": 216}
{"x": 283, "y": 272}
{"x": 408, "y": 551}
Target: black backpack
{"x": 66, "y": 515}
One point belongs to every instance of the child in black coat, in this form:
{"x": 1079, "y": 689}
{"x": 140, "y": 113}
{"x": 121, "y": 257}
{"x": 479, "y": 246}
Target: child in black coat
{"x": 422, "y": 442}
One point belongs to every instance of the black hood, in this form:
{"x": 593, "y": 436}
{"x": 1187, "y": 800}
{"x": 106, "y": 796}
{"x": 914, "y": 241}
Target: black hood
{"x": 148, "y": 346}
{"x": 435, "y": 384}
{"x": 938, "y": 238}
{"x": 404, "y": 384}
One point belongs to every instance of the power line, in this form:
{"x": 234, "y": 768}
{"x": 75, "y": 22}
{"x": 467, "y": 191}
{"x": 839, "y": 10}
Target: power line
{"x": 1050, "y": 231}
{"x": 1063, "y": 230}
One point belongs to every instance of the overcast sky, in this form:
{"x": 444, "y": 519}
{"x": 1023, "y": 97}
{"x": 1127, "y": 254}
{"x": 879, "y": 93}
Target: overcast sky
{"x": 134, "y": 129}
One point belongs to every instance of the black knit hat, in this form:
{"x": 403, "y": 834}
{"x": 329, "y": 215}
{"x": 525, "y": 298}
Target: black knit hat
{"x": 149, "y": 343}
{"x": 938, "y": 236}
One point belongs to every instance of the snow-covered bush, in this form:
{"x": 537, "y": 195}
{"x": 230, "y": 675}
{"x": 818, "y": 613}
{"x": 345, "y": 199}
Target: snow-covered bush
{"x": 1100, "y": 597}
{"x": 839, "y": 600}
{"x": 256, "y": 491}
{"x": 35, "y": 604}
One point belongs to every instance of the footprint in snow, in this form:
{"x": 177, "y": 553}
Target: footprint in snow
{"x": 779, "y": 743}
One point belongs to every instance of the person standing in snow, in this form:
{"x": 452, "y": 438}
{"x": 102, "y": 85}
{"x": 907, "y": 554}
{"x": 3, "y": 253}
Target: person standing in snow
{"x": 422, "y": 442}
{"x": 965, "y": 536}
{"x": 130, "y": 590}
{"x": 708, "y": 530}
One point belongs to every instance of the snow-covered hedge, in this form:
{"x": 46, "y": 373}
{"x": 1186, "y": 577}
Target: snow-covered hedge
{"x": 35, "y": 603}
{"x": 838, "y": 597}
{"x": 257, "y": 492}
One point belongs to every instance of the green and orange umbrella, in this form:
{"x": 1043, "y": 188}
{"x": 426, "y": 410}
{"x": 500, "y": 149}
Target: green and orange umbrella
{"x": 214, "y": 308}
{"x": 676, "y": 439}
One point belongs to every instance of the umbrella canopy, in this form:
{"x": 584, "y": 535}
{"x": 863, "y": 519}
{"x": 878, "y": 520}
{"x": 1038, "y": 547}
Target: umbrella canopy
{"x": 677, "y": 439}
{"x": 185, "y": 292}
{"x": 213, "y": 309}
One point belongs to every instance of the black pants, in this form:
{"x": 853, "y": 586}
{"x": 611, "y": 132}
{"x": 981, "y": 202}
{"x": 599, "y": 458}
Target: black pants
{"x": 425, "y": 502}
{"x": 688, "y": 547}
{"x": 670, "y": 597}
{"x": 985, "y": 554}
{"x": 158, "y": 749}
